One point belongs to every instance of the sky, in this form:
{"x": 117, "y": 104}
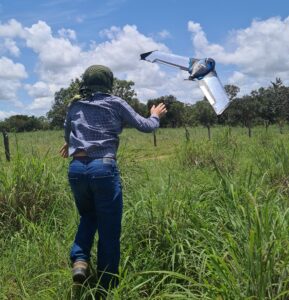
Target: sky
{"x": 46, "y": 44}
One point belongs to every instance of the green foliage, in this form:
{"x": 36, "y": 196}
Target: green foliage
{"x": 264, "y": 106}
{"x": 205, "y": 113}
{"x": 202, "y": 220}
{"x": 62, "y": 99}
{"x": 232, "y": 91}
{"x": 20, "y": 123}
{"x": 175, "y": 116}
{"x": 124, "y": 89}
{"x": 28, "y": 189}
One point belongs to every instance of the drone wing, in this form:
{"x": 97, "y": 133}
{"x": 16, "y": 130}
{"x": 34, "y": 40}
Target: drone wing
{"x": 180, "y": 62}
{"x": 209, "y": 83}
{"x": 213, "y": 90}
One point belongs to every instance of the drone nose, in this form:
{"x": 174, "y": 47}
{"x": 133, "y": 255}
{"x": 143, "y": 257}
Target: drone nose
{"x": 210, "y": 63}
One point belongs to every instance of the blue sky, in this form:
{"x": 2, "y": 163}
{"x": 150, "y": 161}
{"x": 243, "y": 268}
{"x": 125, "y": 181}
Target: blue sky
{"x": 44, "y": 44}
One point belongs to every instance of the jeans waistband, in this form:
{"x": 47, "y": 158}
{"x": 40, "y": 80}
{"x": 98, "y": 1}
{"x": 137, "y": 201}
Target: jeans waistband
{"x": 89, "y": 159}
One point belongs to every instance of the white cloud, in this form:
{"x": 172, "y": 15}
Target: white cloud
{"x": 10, "y": 78}
{"x": 42, "y": 94}
{"x": 12, "y": 29}
{"x": 55, "y": 54}
{"x": 6, "y": 114}
{"x": 10, "y": 46}
{"x": 110, "y": 33}
{"x": 67, "y": 33}
{"x": 42, "y": 104}
{"x": 122, "y": 54}
{"x": 164, "y": 34}
{"x": 122, "y": 50}
{"x": 38, "y": 90}
{"x": 11, "y": 70}
{"x": 237, "y": 78}
{"x": 259, "y": 50}
{"x": 200, "y": 42}
{"x": 8, "y": 89}
{"x": 79, "y": 19}
{"x": 257, "y": 54}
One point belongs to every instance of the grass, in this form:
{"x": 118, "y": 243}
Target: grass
{"x": 202, "y": 219}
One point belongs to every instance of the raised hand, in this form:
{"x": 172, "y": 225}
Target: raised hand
{"x": 159, "y": 110}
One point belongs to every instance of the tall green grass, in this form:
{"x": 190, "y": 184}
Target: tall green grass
{"x": 202, "y": 219}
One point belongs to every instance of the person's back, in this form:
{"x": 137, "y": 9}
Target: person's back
{"x": 92, "y": 126}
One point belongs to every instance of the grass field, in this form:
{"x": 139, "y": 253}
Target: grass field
{"x": 202, "y": 219}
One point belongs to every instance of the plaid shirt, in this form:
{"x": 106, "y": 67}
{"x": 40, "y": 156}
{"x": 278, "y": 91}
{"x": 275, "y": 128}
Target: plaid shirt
{"x": 93, "y": 125}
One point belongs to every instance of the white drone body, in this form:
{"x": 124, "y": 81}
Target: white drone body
{"x": 203, "y": 70}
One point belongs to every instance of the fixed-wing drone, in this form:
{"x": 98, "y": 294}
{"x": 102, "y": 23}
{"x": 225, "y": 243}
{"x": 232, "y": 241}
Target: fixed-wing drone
{"x": 202, "y": 70}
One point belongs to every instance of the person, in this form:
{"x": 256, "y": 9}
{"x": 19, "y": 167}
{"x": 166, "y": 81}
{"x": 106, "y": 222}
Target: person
{"x": 92, "y": 126}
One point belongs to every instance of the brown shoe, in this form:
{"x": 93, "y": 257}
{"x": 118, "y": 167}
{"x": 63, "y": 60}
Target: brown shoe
{"x": 79, "y": 271}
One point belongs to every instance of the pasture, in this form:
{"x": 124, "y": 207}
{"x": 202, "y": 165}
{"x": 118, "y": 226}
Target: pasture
{"x": 202, "y": 219}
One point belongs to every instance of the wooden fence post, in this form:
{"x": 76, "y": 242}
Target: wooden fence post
{"x": 187, "y": 134}
{"x": 155, "y": 139}
{"x": 6, "y": 145}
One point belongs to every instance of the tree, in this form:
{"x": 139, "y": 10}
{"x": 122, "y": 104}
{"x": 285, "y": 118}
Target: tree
{"x": 20, "y": 123}
{"x": 62, "y": 99}
{"x": 205, "y": 115}
{"x": 232, "y": 92}
{"x": 174, "y": 116}
{"x": 265, "y": 99}
{"x": 280, "y": 103}
{"x": 124, "y": 89}
{"x": 188, "y": 119}
{"x": 247, "y": 111}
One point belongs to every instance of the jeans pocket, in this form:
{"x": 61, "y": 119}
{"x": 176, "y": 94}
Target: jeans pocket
{"x": 103, "y": 173}
{"x": 102, "y": 168}
{"x": 73, "y": 177}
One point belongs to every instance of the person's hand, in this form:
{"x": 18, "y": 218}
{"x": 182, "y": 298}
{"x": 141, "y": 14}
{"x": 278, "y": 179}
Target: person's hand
{"x": 64, "y": 150}
{"x": 159, "y": 110}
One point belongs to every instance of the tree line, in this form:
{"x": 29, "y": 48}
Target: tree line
{"x": 265, "y": 106}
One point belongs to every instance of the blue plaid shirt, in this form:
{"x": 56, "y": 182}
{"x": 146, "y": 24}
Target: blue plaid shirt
{"x": 93, "y": 125}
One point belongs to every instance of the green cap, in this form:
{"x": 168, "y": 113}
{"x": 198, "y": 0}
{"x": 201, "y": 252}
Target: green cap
{"x": 96, "y": 78}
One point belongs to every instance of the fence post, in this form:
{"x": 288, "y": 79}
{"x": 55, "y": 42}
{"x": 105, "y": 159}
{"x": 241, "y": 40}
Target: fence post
{"x": 6, "y": 145}
{"x": 155, "y": 139}
{"x": 187, "y": 133}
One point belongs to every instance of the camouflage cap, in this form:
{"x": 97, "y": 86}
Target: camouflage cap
{"x": 97, "y": 78}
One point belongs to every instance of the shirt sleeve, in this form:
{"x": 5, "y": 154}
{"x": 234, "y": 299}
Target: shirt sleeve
{"x": 132, "y": 118}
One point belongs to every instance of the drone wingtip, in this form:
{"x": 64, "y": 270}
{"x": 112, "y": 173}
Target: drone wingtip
{"x": 146, "y": 54}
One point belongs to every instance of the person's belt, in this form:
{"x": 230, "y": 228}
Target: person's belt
{"x": 81, "y": 153}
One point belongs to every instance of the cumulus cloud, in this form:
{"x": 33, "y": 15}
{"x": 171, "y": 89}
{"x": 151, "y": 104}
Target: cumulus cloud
{"x": 11, "y": 70}
{"x": 38, "y": 90}
{"x": 41, "y": 104}
{"x": 256, "y": 55}
{"x": 12, "y": 29}
{"x": 122, "y": 49}
{"x": 9, "y": 46}
{"x": 259, "y": 51}
{"x": 164, "y": 34}
{"x": 67, "y": 33}
{"x": 10, "y": 78}
{"x": 6, "y": 114}
{"x": 56, "y": 55}
{"x": 42, "y": 94}
{"x": 122, "y": 54}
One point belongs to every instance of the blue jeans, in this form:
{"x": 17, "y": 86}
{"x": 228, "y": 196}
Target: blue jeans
{"x": 96, "y": 187}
